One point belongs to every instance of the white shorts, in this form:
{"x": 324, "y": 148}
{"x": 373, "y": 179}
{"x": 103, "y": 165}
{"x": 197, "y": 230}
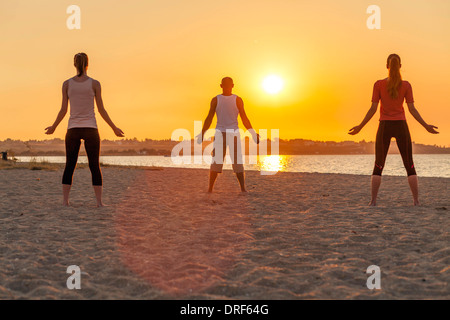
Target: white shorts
{"x": 222, "y": 141}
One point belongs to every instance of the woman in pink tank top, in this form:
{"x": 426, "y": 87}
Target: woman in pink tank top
{"x": 81, "y": 91}
{"x": 392, "y": 91}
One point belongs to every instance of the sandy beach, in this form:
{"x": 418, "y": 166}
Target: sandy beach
{"x": 293, "y": 236}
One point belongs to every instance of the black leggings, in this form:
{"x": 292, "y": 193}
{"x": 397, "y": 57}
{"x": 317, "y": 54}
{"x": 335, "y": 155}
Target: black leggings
{"x": 91, "y": 144}
{"x": 386, "y": 130}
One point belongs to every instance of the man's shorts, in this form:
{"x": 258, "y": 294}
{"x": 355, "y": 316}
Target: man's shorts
{"x": 222, "y": 140}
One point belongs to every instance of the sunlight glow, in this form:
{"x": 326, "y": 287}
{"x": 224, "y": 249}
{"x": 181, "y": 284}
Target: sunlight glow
{"x": 272, "y": 84}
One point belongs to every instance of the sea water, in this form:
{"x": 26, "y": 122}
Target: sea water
{"x": 427, "y": 165}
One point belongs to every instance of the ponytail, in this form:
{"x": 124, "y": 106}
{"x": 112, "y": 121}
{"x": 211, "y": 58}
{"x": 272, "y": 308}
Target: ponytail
{"x": 80, "y": 62}
{"x": 395, "y": 78}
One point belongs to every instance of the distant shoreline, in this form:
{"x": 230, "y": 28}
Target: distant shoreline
{"x": 149, "y": 147}
{"x": 83, "y": 153}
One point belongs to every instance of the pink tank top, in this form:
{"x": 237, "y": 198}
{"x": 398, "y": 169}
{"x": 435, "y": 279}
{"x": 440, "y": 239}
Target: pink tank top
{"x": 81, "y": 98}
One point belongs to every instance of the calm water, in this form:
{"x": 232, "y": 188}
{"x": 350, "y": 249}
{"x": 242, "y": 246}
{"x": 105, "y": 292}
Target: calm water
{"x": 435, "y": 165}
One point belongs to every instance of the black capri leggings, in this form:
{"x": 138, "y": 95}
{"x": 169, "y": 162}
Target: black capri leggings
{"x": 91, "y": 144}
{"x": 386, "y": 130}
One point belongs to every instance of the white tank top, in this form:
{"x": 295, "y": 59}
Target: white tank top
{"x": 227, "y": 112}
{"x": 81, "y": 98}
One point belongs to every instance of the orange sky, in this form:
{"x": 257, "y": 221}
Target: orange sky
{"x": 160, "y": 63}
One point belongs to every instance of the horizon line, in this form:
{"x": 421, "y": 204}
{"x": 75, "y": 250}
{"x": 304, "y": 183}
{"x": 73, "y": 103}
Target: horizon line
{"x": 193, "y": 140}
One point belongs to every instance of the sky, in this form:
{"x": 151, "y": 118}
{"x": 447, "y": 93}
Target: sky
{"x": 160, "y": 63}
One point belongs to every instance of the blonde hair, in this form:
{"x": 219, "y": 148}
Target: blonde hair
{"x": 80, "y": 62}
{"x": 395, "y": 78}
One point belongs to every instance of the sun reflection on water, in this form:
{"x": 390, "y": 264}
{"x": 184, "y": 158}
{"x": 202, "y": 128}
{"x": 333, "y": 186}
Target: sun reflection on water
{"x": 273, "y": 163}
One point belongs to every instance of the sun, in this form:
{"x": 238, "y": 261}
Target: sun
{"x": 272, "y": 84}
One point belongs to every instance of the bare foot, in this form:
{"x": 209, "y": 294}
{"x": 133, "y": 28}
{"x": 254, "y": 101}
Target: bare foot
{"x": 66, "y": 204}
{"x": 373, "y": 203}
{"x": 416, "y": 203}
{"x": 101, "y": 204}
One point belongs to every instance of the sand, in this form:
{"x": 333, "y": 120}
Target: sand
{"x": 293, "y": 236}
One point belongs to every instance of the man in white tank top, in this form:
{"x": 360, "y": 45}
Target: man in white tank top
{"x": 227, "y": 107}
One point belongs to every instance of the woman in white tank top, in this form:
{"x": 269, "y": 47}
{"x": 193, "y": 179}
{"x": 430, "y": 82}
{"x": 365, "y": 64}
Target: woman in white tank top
{"x": 81, "y": 91}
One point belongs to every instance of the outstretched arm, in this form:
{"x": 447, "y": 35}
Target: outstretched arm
{"x": 369, "y": 115}
{"x": 412, "y": 109}
{"x": 244, "y": 118}
{"x": 210, "y": 116}
{"x": 101, "y": 108}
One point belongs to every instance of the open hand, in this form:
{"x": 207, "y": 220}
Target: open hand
{"x": 118, "y": 132}
{"x": 199, "y": 138}
{"x": 255, "y": 136}
{"x": 430, "y": 128}
{"x": 50, "y": 130}
{"x": 354, "y": 130}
